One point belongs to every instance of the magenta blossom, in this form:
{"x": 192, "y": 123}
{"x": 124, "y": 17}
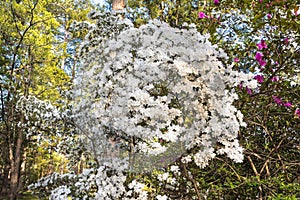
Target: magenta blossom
{"x": 258, "y": 56}
{"x": 249, "y": 91}
{"x": 277, "y": 100}
{"x": 202, "y": 15}
{"x": 275, "y": 79}
{"x": 297, "y": 112}
{"x": 216, "y": 2}
{"x": 259, "y": 78}
{"x": 288, "y": 104}
{"x": 262, "y": 45}
{"x": 241, "y": 86}
{"x": 269, "y": 16}
{"x": 262, "y": 63}
{"x": 236, "y": 59}
{"x": 286, "y": 40}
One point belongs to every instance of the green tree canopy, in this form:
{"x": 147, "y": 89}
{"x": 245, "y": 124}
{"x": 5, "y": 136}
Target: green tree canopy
{"x": 35, "y": 42}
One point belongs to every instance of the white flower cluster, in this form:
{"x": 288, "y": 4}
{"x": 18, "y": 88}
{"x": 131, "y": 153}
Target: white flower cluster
{"x": 111, "y": 178}
{"x": 107, "y": 26}
{"x": 110, "y": 182}
{"x": 39, "y": 115}
{"x": 138, "y": 188}
{"x": 60, "y": 193}
{"x": 160, "y": 197}
{"x": 156, "y": 86}
{"x": 65, "y": 186}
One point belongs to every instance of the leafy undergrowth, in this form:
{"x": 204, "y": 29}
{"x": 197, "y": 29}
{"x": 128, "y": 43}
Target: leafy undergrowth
{"x": 24, "y": 196}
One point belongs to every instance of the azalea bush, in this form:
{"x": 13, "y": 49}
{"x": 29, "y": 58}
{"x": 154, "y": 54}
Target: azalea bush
{"x": 262, "y": 37}
{"x": 150, "y": 101}
{"x": 157, "y": 108}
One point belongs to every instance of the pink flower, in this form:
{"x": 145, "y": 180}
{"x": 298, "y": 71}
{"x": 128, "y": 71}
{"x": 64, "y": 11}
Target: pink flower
{"x": 202, "y": 15}
{"x": 262, "y": 45}
{"x": 275, "y": 78}
{"x": 277, "y": 100}
{"x": 259, "y": 78}
{"x": 287, "y": 104}
{"x": 216, "y": 2}
{"x": 269, "y": 16}
{"x": 262, "y": 63}
{"x": 297, "y": 112}
{"x": 241, "y": 86}
{"x": 286, "y": 40}
{"x": 258, "y": 56}
{"x": 236, "y": 60}
{"x": 249, "y": 91}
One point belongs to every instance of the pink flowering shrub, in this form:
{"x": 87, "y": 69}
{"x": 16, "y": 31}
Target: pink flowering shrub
{"x": 216, "y": 2}
{"x": 202, "y": 15}
{"x": 262, "y": 45}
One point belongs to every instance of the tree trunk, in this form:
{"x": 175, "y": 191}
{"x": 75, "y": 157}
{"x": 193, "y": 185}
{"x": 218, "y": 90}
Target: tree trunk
{"x": 15, "y": 160}
{"x": 118, "y": 5}
{"x": 6, "y": 164}
{"x": 5, "y": 179}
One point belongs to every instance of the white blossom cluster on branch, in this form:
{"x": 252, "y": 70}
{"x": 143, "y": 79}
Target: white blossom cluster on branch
{"x": 38, "y": 115}
{"x": 61, "y": 186}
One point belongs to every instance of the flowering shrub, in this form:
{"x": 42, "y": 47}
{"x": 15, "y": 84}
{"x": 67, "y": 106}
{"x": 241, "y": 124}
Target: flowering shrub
{"x": 158, "y": 86}
{"x": 154, "y": 94}
{"x": 39, "y": 116}
{"x": 271, "y": 139}
{"x": 57, "y": 186}
{"x": 149, "y": 96}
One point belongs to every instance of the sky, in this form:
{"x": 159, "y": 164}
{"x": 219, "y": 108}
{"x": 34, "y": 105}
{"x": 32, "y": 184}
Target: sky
{"x": 101, "y": 2}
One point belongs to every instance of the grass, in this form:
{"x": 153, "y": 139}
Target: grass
{"x": 24, "y": 196}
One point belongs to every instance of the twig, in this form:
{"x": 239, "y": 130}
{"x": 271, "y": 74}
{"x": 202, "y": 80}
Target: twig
{"x": 192, "y": 180}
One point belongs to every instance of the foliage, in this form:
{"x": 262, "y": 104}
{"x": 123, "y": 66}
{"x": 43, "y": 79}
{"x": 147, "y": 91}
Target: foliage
{"x": 144, "y": 94}
{"x": 26, "y": 37}
{"x": 263, "y": 37}
{"x": 32, "y": 85}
